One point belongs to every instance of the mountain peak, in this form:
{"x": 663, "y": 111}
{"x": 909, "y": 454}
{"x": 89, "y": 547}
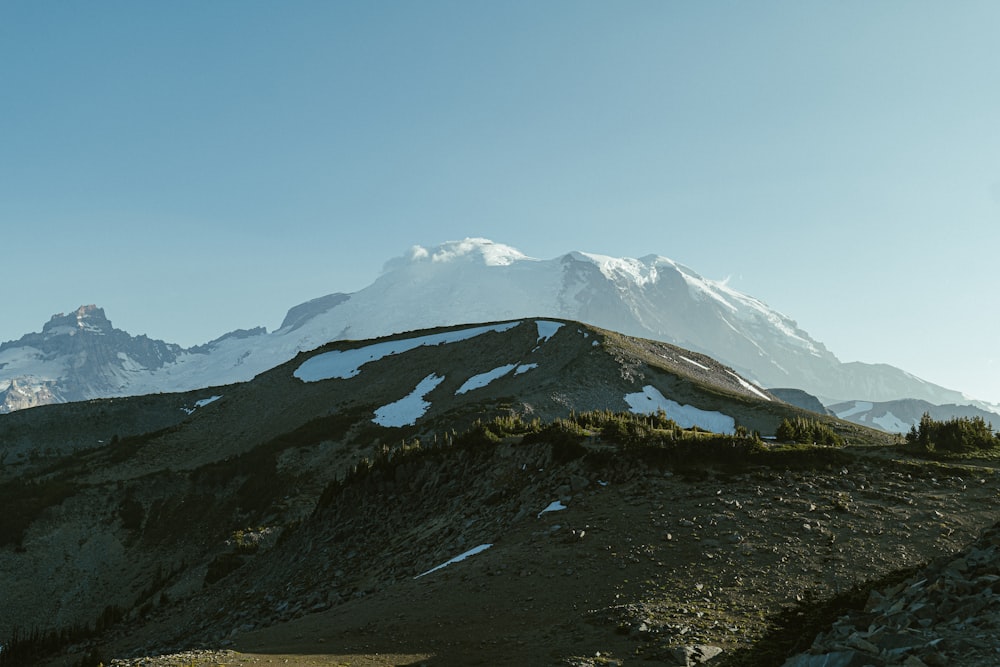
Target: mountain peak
{"x": 476, "y": 250}
{"x": 88, "y": 318}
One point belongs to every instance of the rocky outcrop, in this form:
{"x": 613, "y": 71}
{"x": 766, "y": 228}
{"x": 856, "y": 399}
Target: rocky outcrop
{"x": 947, "y": 614}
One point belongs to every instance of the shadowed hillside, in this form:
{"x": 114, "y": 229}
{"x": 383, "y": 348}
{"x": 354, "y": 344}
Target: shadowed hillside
{"x": 309, "y": 512}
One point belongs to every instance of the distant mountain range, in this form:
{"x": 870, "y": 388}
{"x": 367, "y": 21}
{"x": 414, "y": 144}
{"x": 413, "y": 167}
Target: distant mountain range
{"x": 81, "y": 356}
{"x": 899, "y": 416}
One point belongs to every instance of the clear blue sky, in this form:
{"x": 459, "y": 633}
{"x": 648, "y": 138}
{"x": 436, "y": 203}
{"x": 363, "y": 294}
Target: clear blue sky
{"x": 195, "y": 167}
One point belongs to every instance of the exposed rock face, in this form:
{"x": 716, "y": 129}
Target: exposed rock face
{"x": 302, "y": 313}
{"x": 947, "y": 614}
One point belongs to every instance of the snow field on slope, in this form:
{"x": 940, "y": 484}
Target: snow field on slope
{"x": 649, "y": 400}
{"x": 483, "y": 379}
{"x": 547, "y": 329}
{"x": 407, "y": 410}
{"x": 344, "y": 364}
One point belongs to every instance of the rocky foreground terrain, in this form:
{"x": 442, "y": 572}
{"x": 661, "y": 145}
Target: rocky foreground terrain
{"x": 646, "y": 565}
{"x": 946, "y": 613}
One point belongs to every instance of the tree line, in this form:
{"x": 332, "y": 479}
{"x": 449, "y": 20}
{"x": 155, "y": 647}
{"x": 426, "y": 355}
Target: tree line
{"x": 960, "y": 435}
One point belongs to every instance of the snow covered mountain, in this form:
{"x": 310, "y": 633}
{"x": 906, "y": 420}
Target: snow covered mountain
{"x": 475, "y": 280}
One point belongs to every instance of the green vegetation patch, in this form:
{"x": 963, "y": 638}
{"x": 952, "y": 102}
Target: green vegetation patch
{"x": 599, "y": 438}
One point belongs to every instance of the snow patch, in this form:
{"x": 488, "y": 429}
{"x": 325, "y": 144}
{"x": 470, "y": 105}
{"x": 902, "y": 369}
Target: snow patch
{"x": 407, "y": 410}
{"x": 471, "y": 552}
{"x": 650, "y": 400}
{"x": 483, "y": 379}
{"x": 205, "y": 401}
{"x": 554, "y": 506}
{"x": 692, "y": 361}
{"x": 344, "y": 364}
{"x": 547, "y": 330}
{"x": 201, "y": 403}
{"x": 749, "y": 387}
